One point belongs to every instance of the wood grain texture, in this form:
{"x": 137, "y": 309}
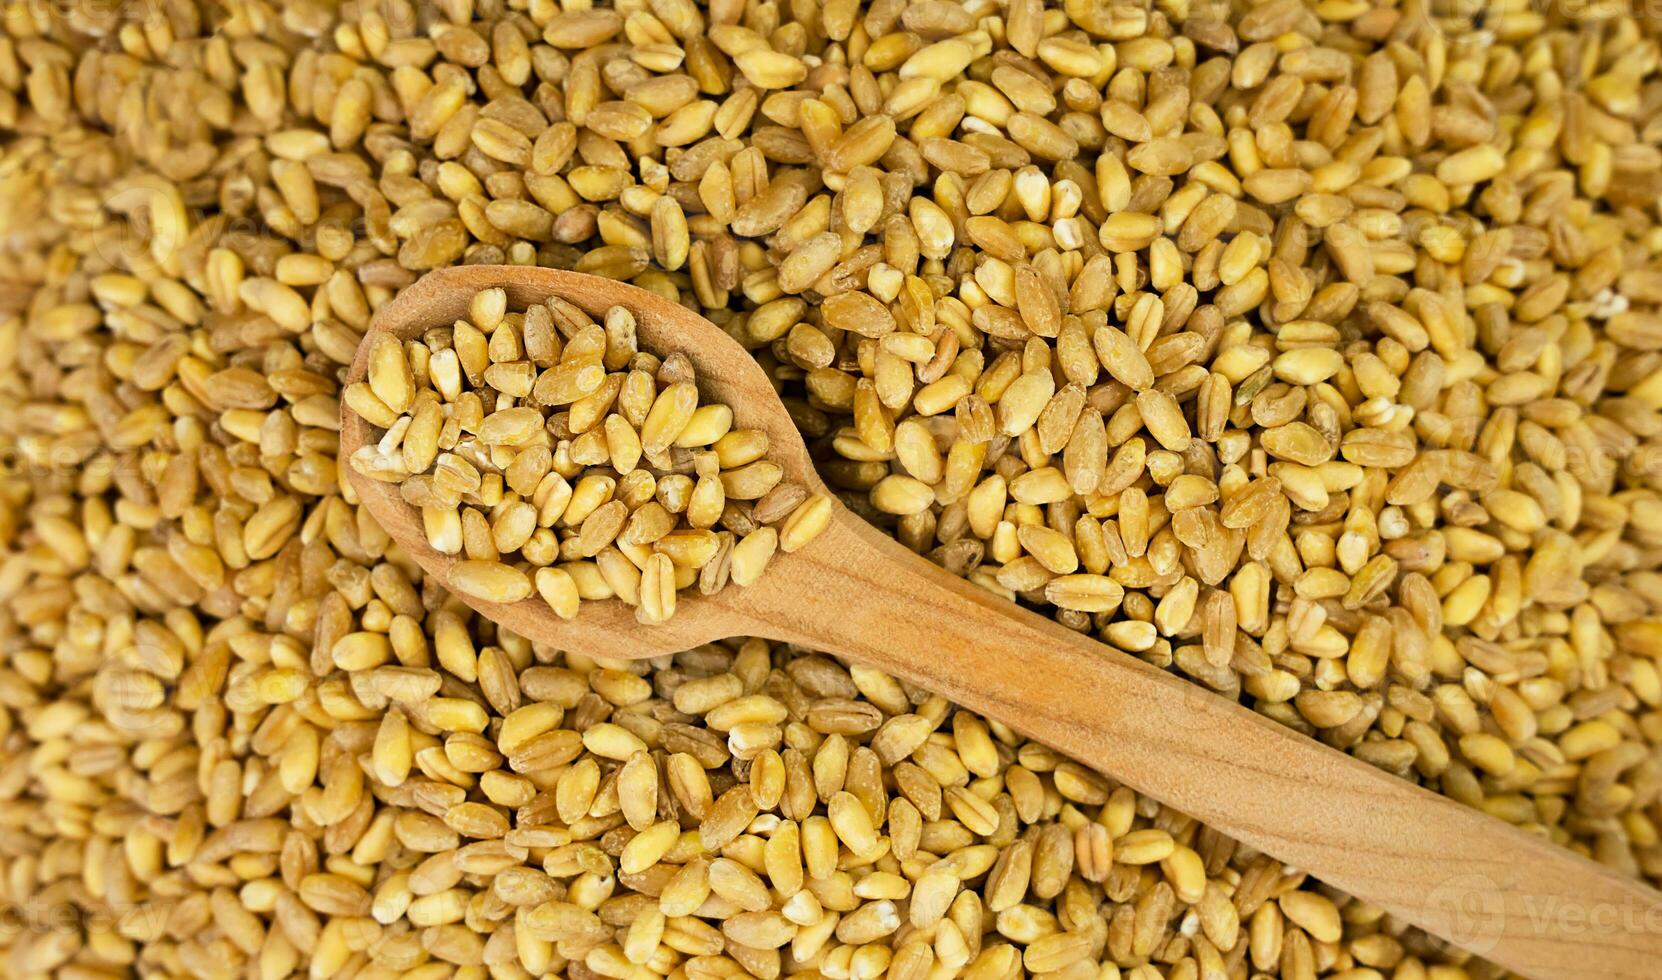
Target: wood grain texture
{"x": 1512, "y": 897}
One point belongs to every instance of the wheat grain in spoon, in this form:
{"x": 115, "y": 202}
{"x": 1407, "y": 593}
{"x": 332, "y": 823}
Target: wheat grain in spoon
{"x": 857, "y": 593}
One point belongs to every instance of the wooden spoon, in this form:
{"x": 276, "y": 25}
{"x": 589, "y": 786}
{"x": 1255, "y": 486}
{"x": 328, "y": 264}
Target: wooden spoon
{"x": 1513, "y": 897}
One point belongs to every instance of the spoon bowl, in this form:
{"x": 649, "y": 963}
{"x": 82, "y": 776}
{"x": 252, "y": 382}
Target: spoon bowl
{"x": 726, "y": 372}
{"x": 857, "y": 593}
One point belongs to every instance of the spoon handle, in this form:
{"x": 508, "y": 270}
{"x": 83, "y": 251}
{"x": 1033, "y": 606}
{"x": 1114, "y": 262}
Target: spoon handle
{"x": 1511, "y": 896}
